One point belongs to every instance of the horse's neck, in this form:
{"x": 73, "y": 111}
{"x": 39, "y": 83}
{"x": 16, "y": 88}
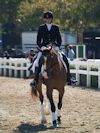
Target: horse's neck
{"x": 58, "y": 67}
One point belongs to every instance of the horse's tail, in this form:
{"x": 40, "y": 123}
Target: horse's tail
{"x": 34, "y": 92}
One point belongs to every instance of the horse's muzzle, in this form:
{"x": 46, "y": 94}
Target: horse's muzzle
{"x": 44, "y": 74}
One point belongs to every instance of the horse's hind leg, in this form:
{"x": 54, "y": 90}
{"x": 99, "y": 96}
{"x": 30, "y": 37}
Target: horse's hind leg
{"x": 53, "y": 108}
{"x": 43, "y": 118}
{"x": 61, "y": 93}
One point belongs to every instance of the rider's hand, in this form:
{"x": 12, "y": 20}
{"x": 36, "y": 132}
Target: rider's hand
{"x": 43, "y": 48}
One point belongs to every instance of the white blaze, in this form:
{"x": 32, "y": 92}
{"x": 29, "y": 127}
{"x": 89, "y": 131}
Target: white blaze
{"x": 44, "y": 73}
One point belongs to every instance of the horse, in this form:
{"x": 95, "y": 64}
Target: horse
{"x": 54, "y": 76}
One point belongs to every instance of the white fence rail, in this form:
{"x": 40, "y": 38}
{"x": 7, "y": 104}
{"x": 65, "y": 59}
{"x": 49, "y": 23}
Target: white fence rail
{"x": 89, "y": 68}
{"x": 14, "y": 67}
{"x": 19, "y": 68}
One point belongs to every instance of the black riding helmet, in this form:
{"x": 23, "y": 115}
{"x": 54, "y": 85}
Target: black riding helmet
{"x": 48, "y": 15}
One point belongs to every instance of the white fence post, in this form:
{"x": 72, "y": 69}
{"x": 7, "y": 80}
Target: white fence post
{"x": 99, "y": 76}
{"x": 22, "y": 71}
{"x": 15, "y": 71}
{"x": 10, "y": 71}
{"x": 5, "y": 60}
{"x": 0, "y": 66}
{"x": 84, "y": 51}
{"x": 27, "y": 73}
{"x": 77, "y": 55}
{"x": 88, "y": 76}
{"x": 77, "y": 74}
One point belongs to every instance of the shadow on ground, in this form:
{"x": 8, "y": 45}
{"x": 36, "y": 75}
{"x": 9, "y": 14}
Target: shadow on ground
{"x": 31, "y": 128}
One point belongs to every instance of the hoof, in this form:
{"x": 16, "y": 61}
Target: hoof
{"x": 59, "y": 120}
{"x": 33, "y": 87}
{"x": 43, "y": 121}
{"x": 54, "y": 124}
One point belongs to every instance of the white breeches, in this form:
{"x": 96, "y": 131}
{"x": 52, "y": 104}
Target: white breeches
{"x": 36, "y": 62}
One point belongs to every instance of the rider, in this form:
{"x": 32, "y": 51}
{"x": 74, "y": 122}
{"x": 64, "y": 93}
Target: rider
{"x": 48, "y": 33}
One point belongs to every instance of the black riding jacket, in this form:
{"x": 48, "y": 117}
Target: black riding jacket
{"x": 45, "y": 37}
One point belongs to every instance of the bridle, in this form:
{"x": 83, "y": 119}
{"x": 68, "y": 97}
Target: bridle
{"x": 52, "y": 65}
{"x": 44, "y": 54}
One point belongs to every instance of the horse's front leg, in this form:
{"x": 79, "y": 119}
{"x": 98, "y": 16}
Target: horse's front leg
{"x": 53, "y": 108}
{"x": 43, "y": 118}
{"x": 60, "y": 106}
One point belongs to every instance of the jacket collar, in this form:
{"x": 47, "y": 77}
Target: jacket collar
{"x": 47, "y": 27}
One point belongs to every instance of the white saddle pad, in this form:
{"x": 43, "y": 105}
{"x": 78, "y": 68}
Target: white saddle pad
{"x": 61, "y": 58}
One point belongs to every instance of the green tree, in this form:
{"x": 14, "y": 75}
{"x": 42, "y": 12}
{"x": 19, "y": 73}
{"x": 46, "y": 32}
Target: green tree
{"x": 84, "y": 14}
{"x": 73, "y": 15}
{"x": 8, "y": 10}
{"x": 30, "y": 14}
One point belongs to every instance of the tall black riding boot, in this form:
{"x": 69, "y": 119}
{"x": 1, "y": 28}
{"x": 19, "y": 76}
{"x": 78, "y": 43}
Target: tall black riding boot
{"x": 68, "y": 69}
{"x": 70, "y": 81}
{"x": 34, "y": 83}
